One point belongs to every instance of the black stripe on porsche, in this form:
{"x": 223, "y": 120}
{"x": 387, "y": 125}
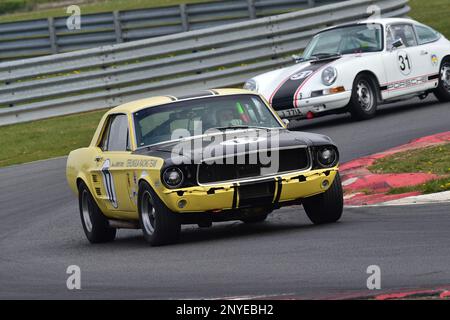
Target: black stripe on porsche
{"x": 279, "y": 189}
{"x": 284, "y": 96}
{"x": 434, "y": 77}
{"x": 235, "y": 194}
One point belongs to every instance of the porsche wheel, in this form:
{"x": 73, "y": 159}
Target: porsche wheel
{"x": 95, "y": 224}
{"x": 364, "y": 100}
{"x": 442, "y": 92}
{"x": 159, "y": 225}
{"x": 326, "y": 207}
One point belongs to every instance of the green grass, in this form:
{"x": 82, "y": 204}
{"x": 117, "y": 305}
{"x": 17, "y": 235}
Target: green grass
{"x": 48, "y": 138}
{"x": 30, "y": 13}
{"x": 435, "y": 13}
{"x": 427, "y": 160}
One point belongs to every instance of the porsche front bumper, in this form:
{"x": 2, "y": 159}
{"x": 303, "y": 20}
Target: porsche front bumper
{"x": 317, "y": 105}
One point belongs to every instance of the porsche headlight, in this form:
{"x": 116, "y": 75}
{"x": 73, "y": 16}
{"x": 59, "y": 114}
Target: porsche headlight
{"x": 173, "y": 177}
{"x": 251, "y": 85}
{"x": 327, "y": 157}
{"x": 329, "y": 76}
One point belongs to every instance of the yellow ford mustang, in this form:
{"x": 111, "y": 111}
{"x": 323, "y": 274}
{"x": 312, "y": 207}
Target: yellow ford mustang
{"x": 217, "y": 155}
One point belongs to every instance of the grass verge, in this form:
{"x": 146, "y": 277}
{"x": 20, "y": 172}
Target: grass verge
{"x": 47, "y": 138}
{"x": 427, "y": 160}
{"x": 98, "y": 6}
{"x": 434, "y": 13}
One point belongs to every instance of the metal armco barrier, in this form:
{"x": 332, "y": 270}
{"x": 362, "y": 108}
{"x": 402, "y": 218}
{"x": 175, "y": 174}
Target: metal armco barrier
{"x": 26, "y": 39}
{"x": 222, "y": 56}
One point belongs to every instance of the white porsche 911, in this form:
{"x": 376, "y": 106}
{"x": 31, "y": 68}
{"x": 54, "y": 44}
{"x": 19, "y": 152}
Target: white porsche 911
{"x": 355, "y": 67}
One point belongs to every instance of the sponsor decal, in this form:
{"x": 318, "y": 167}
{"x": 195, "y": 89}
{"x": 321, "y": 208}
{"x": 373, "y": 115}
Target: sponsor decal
{"x": 434, "y": 60}
{"x": 141, "y": 163}
{"x": 406, "y": 83}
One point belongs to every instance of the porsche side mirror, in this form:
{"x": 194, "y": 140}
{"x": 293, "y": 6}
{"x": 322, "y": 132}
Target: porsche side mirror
{"x": 296, "y": 58}
{"x": 397, "y": 44}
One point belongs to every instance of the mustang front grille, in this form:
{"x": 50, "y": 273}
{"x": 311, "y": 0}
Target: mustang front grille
{"x": 254, "y": 166}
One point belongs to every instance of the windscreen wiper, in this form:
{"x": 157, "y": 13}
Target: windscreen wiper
{"x": 237, "y": 127}
{"x": 322, "y": 56}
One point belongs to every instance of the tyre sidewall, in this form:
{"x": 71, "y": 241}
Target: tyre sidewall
{"x": 326, "y": 207}
{"x": 441, "y": 92}
{"x": 100, "y": 232}
{"x": 166, "y": 227}
{"x": 354, "y": 107}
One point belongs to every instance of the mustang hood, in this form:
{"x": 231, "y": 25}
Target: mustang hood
{"x": 232, "y": 143}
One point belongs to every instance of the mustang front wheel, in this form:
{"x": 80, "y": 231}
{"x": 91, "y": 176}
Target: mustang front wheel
{"x": 159, "y": 225}
{"x": 442, "y": 92}
{"x": 326, "y": 207}
{"x": 95, "y": 224}
{"x": 364, "y": 100}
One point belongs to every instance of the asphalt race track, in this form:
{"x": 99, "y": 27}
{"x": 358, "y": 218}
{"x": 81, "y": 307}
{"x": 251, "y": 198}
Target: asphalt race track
{"x": 41, "y": 236}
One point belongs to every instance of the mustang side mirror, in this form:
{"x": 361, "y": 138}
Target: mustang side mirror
{"x": 397, "y": 44}
{"x": 296, "y": 58}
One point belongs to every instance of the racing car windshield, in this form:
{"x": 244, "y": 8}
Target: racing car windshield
{"x": 351, "y": 39}
{"x": 195, "y": 117}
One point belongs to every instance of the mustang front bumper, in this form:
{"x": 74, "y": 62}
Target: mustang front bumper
{"x": 273, "y": 191}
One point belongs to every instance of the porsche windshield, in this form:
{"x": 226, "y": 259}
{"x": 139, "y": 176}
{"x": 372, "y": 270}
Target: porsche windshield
{"x": 194, "y": 117}
{"x": 346, "y": 40}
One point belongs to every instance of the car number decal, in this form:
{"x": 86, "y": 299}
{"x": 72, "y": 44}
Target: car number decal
{"x": 404, "y": 62}
{"x": 109, "y": 183}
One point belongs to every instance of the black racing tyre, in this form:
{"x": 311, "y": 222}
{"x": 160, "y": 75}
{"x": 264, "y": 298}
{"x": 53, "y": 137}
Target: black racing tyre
{"x": 255, "y": 219}
{"x": 364, "y": 100}
{"x": 95, "y": 224}
{"x": 442, "y": 92}
{"x": 326, "y": 207}
{"x": 160, "y": 226}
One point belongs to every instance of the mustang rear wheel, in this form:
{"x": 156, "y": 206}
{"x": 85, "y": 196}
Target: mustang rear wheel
{"x": 442, "y": 92}
{"x": 364, "y": 100}
{"x": 326, "y": 207}
{"x": 95, "y": 224}
{"x": 159, "y": 225}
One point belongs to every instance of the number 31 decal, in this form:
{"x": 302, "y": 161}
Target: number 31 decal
{"x": 404, "y": 62}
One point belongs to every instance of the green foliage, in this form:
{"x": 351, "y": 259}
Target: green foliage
{"x": 47, "y": 138}
{"x": 7, "y": 6}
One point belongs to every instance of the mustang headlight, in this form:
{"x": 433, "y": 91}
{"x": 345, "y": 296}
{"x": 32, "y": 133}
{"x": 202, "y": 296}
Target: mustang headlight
{"x": 251, "y": 85}
{"x": 173, "y": 177}
{"x": 327, "y": 156}
{"x": 329, "y": 76}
